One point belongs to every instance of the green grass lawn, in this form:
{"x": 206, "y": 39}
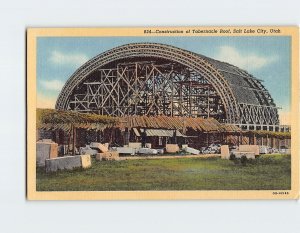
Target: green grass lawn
{"x": 268, "y": 172}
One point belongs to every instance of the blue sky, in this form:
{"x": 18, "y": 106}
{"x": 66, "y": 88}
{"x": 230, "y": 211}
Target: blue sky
{"x": 267, "y": 58}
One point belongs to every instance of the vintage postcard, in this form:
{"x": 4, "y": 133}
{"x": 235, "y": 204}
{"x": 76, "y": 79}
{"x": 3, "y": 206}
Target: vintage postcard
{"x": 163, "y": 113}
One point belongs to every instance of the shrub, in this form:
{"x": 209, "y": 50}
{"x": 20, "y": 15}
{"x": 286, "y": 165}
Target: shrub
{"x": 232, "y": 157}
{"x": 244, "y": 160}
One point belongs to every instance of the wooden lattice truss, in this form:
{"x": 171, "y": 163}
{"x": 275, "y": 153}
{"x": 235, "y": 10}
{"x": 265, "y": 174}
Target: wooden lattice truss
{"x": 147, "y": 88}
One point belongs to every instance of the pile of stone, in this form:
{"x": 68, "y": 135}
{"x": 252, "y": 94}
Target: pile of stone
{"x": 94, "y": 148}
{"x": 104, "y": 154}
{"x": 47, "y": 156}
{"x": 134, "y": 148}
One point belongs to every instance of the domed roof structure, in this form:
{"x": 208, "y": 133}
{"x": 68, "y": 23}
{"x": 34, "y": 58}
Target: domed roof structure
{"x": 158, "y": 79}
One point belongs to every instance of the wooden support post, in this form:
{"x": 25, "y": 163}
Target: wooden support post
{"x": 74, "y": 140}
{"x": 285, "y": 144}
{"x": 69, "y": 139}
{"x": 111, "y": 135}
{"x": 207, "y": 139}
{"x": 273, "y": 142}
{"x": 98, "y": 138}
{"x": 129, "y": 134}
{"x": 57, "y": 136}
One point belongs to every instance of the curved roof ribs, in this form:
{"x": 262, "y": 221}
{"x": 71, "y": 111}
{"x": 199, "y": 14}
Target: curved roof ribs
{"x": 242, "y": 95}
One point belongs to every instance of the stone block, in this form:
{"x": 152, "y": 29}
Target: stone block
{"x": 68, "y": 163}
{"x": 249, "y": 148}
{"x": 135, "y": 145}
{"x": 88, "y": 151}
{"x": 110, "y": 155}
{"x": 172, "y": 148}
{"x": 147, "y": 151}
{"x": 288, "y": 151}
{"x": 45, "y": 150}
{"x": 184, "y": 146}
{"x": 160, "y": 151}
{"x": 225, "y": 152}
{"x": 192, "y": 150}
{"x": 63, "y": 163}
{"x": 99, "y": 146}
{"x": 86, "y": 161}
{"x": 263, "y": 150}
{"x": 126, "y": 150}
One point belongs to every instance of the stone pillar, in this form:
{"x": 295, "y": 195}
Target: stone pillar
{"x": 225, "y": 152}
